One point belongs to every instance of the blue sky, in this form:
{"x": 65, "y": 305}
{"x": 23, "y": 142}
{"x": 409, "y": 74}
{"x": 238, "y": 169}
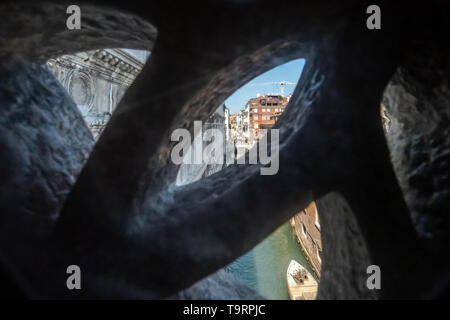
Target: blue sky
{"x": 289, "y": 71}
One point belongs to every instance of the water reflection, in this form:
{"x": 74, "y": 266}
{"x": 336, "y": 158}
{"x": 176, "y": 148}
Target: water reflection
{"x": 264, "y": 267}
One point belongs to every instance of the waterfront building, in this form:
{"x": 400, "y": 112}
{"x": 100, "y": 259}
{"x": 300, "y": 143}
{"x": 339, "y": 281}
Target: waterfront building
{"x": 263, "y": 112}
{"x": 259, "y": 113}
{"x": 307, "y": 228}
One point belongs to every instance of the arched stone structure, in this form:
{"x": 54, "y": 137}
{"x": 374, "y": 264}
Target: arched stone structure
{"x": 122, "y": 216}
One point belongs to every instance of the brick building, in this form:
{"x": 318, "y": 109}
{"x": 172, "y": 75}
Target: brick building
{"x": 264, "y": 111}
{"x": 259, "y": 113}
{"x": 307, "y": 228}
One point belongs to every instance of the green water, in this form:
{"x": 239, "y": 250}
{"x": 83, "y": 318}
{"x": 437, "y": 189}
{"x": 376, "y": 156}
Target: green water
{"x": 264, "y": 267}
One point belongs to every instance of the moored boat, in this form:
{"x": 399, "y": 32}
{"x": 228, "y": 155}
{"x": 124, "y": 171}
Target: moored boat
{"x": 301, "y": 284}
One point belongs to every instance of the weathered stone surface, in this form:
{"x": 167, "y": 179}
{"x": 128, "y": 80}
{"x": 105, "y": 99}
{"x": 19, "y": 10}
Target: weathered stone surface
{"x": 37, "y": 30}
{"x": 50, "y": 142}
{"x": 96, "y": 81}
{"x": 345, "y": 254}
{"x": 219, "y": 286}
{"x": 418, "y": 103}
{"x": 127, "y": 225}
{"x": 44, "y": 145}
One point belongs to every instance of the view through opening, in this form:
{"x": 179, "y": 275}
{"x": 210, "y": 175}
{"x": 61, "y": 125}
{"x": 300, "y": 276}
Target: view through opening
{"x": 242, "y": 120}
{"x": 286, "y": 265}
{"x": 275, "y": 268}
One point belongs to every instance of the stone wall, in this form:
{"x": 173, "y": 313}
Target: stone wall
{"x": 417, "y": 103}
{"x": 119, "y": 215}
{"x": 345, "y": 255}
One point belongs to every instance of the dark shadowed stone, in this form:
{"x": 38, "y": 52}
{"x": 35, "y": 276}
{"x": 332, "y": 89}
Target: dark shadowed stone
{"x": 40, "y": 30}
{"x": 345, "y": 255}
{"x": 418, "y": 102}
{"x": 219, "y": 286}
{"x": 44, "y": 143}
{"x": 118, "y": 214}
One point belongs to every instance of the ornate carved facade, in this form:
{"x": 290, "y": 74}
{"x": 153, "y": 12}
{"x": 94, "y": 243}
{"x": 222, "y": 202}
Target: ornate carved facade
{"x": 97, "y": 80}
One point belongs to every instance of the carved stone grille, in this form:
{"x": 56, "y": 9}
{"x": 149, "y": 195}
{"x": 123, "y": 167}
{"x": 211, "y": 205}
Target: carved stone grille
{"x": 114, "y": 210}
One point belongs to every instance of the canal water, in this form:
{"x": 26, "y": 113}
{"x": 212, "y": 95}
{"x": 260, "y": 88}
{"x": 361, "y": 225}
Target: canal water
{"x": 264, "y": 267}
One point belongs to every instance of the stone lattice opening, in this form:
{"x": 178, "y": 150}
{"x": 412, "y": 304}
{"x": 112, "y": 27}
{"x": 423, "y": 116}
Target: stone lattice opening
{"x": 255, "y": 112}
{"x": 66, "y": 201}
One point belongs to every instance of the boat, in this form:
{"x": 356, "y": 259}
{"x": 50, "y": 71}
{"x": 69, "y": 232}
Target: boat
{"x": 300, "y": 282}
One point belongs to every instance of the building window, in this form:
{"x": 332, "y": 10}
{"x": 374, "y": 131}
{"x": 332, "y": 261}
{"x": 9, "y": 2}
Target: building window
{"x": 263, "y": 110}
{"x": 303, "y": 230}
{"x": 255, "y": 117}
{"x": 263, "y": 117}
{"x": 255, "y": 110}
{"x": 256, "y": 126}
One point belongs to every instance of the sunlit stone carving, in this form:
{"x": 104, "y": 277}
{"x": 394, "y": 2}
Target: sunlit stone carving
{"x": 97, "y": 80}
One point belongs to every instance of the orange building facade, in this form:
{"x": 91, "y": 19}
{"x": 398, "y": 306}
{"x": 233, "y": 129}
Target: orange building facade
{"x": 264, "y": 111}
